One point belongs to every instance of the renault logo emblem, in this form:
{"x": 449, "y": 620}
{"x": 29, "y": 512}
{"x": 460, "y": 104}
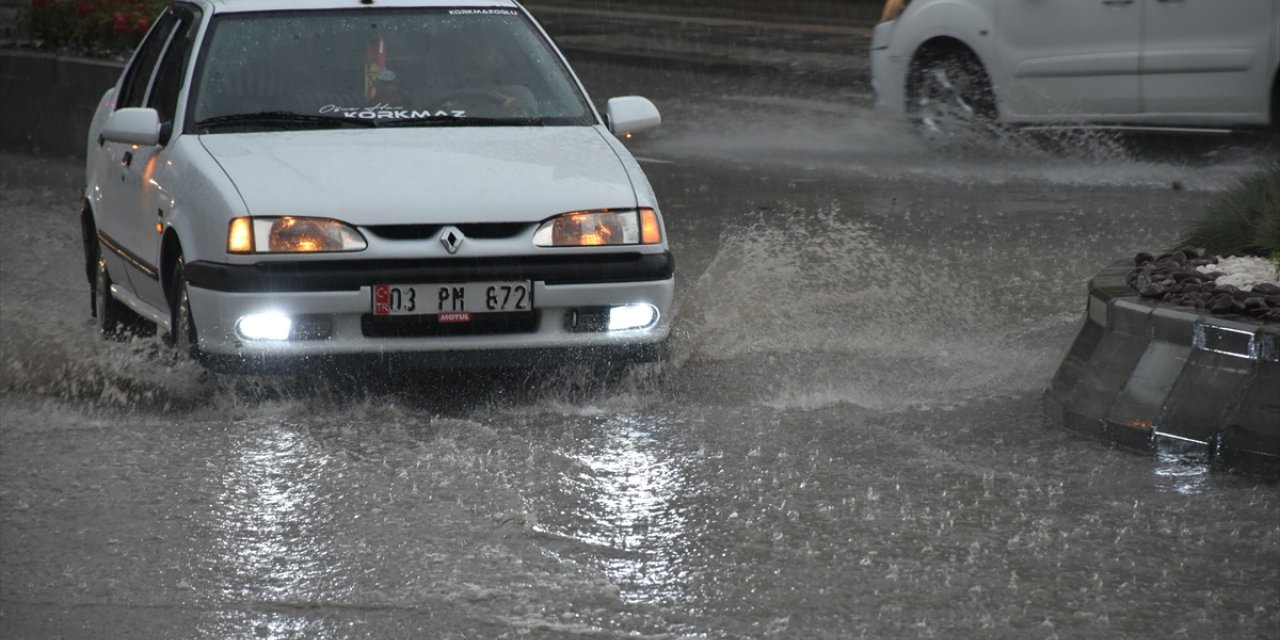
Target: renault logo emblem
{"x": 452, "y": 239}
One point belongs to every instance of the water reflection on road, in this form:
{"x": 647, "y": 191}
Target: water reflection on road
{"x": 268, "y": 515}
{"x": 621, "y": 490}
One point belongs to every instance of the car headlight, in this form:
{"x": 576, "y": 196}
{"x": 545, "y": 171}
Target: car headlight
{"x": 600, "y": 228}
{"x": 289, "y": 234}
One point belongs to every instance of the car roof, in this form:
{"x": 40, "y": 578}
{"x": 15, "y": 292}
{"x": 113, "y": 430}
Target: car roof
{"x": 240, "y": 6}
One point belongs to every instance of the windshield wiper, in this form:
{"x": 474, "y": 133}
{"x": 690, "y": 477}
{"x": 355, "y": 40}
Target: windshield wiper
{"x": 459, "y": 121}
{"x": 281, "y": 117}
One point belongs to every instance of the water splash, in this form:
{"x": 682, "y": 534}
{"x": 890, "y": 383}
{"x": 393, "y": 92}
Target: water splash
{"x": 817, "y": 308}
{"x": 839, "y": 138}
{"x": 70, "y": 361}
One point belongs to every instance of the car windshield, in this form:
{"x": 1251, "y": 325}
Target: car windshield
{"x": 380, "y": 67}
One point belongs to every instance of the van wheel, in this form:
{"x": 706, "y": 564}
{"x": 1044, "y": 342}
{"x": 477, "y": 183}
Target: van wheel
{"x": 949, "y": 96}
{"x": 1275, "y": 103}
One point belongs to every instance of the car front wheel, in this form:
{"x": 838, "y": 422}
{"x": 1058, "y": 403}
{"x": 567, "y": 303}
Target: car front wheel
{"x": 182, "y": 326}
{"x": 949, "y": 96}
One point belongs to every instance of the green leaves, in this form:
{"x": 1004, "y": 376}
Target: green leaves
{"x": 1244, "y": 220}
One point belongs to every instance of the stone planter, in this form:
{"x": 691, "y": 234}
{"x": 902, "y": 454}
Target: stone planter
{"x": 1153, "y": 376}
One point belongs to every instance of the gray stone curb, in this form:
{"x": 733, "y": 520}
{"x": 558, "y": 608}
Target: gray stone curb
{"x": 1155, "y": 377}
{"x": 827, "y": 52}
{"x": 48, "y": 100}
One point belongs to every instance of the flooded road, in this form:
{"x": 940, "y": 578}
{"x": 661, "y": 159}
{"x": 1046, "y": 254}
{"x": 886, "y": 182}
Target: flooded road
{"x": 845, "y": 442}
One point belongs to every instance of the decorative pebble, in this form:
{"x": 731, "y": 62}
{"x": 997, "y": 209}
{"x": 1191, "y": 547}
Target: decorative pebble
{"x": 1224, "y": 286}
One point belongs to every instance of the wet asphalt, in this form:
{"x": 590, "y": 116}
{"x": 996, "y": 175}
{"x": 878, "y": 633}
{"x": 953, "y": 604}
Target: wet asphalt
{"x": 845, "y": 442}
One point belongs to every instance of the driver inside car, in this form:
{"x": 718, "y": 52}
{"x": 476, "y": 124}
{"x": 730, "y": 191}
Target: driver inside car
{"x": 481, "y": 66}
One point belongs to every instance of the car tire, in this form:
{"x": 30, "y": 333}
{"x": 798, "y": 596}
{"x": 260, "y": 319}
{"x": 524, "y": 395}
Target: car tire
{"x": 949, "y": 96}
{"x": 1275, "y": 103}
{"x": 182, "y": 326}
{"x": 114, "y": 319}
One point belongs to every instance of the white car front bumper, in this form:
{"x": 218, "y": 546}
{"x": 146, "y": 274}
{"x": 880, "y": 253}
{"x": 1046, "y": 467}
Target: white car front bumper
{"x": 566, "y": 317}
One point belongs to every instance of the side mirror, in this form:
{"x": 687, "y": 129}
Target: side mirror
{"x": 132, "y": 125}
{"x": 631, "y": 114}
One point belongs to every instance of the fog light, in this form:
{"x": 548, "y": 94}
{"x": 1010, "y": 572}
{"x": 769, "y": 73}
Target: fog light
{"x": 265, "y": 326}
{"x": 632, "y": 316}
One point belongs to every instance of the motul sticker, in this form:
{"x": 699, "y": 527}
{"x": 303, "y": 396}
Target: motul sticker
{"x": 453, "y": 317}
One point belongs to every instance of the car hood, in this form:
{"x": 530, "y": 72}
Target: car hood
{"x": 424, "y": 175}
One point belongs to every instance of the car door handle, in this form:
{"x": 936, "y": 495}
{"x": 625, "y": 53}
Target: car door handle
{"x": 128, "y": 159}
{"x": 1117, "y": 3}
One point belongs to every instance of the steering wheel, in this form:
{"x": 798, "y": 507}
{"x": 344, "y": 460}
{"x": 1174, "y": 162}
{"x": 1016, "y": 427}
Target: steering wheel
{"x": 487, "y": 97}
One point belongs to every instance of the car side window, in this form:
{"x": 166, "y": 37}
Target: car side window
{"x": 134, "y": 88}
{"x": 168, "y": 77}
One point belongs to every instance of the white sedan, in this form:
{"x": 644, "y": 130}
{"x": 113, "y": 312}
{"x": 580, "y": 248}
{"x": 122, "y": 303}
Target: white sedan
{"x": 956, "y": 65}
{"x": 283, "y": 180}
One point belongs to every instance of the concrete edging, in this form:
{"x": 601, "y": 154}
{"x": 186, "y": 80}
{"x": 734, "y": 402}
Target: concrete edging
{"x": 1157, "y": 377}
{"x": 48, "y": 100}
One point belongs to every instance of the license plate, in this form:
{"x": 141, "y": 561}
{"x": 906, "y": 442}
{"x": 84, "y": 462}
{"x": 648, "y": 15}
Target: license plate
{"x": 452, "y": 302}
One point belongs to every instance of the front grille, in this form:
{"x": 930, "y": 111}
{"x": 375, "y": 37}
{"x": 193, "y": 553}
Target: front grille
{"x": 493, "y": 230}
{"x": 428, "y": 327}
{"x": 405, "y": 231}
{"x": 477, "y": 231}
